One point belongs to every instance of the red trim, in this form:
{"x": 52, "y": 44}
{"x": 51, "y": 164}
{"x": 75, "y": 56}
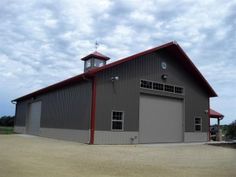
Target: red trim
{"x": 132, "y": 57}
{"x": 61, "y": 84}
{"x": 171, "y": 47}
{"x": 214, "y": 114}
{"x": 193, "y": 69}
{"x": 97, "y": 55}
{"x": 93, "y": 111}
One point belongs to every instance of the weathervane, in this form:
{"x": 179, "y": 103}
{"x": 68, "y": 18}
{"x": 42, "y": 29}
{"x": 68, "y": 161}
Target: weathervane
{"x": 96, "y": 45}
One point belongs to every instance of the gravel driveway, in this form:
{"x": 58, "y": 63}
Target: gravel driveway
{"x": 30, "y": 156}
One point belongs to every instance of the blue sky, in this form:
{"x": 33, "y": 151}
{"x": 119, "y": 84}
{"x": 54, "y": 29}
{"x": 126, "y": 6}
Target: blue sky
{"x": 41, "y": 42}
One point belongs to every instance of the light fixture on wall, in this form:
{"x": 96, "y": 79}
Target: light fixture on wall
{"x": 164, "y": 76}
{"x": 115, "y": 78}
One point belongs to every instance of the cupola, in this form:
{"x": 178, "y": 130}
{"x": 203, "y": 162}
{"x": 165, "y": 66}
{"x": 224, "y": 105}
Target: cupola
{"x": 94, "y": 60}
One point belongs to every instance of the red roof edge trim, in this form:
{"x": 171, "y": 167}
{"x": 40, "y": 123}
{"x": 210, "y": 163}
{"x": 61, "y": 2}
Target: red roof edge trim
{"x": 212, "y": 92}
{"x": 92, "y": 72}
{"x": 55, "y": 86}
{"x": 215, "y": 114}
{"x": 97, "y": 55}
{"x": 89, "y": 73}
{"x": 96, "y": 70}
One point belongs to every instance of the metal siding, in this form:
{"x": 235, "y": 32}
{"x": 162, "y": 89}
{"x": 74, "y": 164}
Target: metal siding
{"x": 196, "y": 98}
{"x": 196, "y": 105}
{"x": 67, "y": 108}
{"x": 124, "y": 93}
{"x": 114, "y": 97}
{"x": 21, "y": 113}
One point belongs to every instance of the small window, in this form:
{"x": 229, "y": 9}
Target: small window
{"x": 98, "y": 63}
{"x": 179, "y": 90}
{"x": 169, "y": 88}
{"x": 157, "y": 86}
{"x": 88, "y": 63}
{"x": 198, "y": 124}
{"x": 152, "y": 85}
{"x": 146, "y": 84}
{"x": 117, "y": 120}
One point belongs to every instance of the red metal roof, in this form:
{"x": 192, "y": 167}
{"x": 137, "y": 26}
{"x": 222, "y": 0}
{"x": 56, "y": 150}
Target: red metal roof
{"x": 171, "y": 47}
{"x": 96, "y": 55}
{"x": 214, "y": 114}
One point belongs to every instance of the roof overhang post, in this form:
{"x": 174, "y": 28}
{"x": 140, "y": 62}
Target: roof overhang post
{"x": 93, "y": 111}
{"x": 219, "y": 131}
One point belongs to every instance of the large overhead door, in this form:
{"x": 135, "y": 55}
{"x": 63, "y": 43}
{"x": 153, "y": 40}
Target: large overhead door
{"x": 34, "y": 118}
{"x": 160, "y": 119}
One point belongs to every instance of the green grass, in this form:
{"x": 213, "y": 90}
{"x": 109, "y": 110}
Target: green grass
{"x": 6, "y": 130}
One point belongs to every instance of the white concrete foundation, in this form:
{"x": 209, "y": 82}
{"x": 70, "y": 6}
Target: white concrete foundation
{"x": 195, "y": 136}
{"x": 19, "y": 129}
{"x": 115, "y": 137}
{"x": 81, "y": 136}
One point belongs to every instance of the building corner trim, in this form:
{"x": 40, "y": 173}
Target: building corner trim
{"x": 209, "y": 121}
{"x": 93, "y": 111}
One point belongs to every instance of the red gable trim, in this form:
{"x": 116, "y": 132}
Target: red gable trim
{"x": 132, "y": 57}
{"x": 58, "y": 85}
{"x": 171, "y": 47}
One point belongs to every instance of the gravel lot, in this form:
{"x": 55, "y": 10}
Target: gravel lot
{"x": 29, "y": 156}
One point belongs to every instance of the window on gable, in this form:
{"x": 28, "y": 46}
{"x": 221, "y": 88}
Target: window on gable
{"x": 152, "y": 85}
{"x": 157, "y": 86}
{"x": 117, "y": 120}
{"x": 146, "y": 84}
{"x": 169, "y": 88}
{"x": 179, "y": 90}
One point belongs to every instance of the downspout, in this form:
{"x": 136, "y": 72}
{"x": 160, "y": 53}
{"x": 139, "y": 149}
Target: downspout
{"x": 93, "y": 111}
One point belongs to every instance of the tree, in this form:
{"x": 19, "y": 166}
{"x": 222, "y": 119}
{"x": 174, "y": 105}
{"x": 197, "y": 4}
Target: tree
{"x": 7, "y": 121}
{"x": 231, "y": 130}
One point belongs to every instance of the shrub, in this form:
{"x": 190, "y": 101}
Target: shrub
{"x": 231, "y": 130}
{"x": 7, "y": 121}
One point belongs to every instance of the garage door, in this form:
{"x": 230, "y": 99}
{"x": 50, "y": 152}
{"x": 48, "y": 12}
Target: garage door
{"x": 34, "y": 118}
{"x": 160, "y": 119}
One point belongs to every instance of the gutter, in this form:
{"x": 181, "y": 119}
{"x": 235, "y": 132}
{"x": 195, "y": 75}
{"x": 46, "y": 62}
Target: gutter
{"x": 13, "y": 101}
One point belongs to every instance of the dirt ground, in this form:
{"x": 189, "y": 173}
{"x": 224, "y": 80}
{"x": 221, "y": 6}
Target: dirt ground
{"x": 29, "y": 156}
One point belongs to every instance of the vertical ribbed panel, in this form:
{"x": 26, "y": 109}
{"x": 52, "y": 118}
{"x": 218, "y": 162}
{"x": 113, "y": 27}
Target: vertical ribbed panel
{"x": 67, "y": 108}
{"x": 21, "y": 113}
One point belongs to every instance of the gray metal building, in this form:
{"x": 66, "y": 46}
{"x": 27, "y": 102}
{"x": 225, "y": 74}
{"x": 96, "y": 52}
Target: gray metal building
{"x": 154, "y": 96}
